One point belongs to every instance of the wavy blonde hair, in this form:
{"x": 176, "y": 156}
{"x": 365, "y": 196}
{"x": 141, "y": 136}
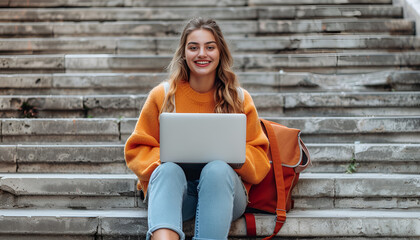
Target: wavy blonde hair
{"x": 226, "y": 83}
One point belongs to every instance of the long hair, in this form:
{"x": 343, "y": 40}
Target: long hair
{"x": 226, "y": 83}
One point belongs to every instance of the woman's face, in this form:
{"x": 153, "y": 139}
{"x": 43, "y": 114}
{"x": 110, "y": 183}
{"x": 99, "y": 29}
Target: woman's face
{"x": 201, "y": 54}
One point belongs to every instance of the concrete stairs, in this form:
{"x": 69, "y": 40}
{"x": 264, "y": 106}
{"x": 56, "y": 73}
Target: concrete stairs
{"x": 345, "y": 72}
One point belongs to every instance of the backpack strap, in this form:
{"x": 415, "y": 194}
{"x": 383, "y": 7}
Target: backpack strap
{"x": 166, "y": 88}
{"x": 278, "y": 175}
{"x": 251, "y": 227}
{"x": 241, "y": 94}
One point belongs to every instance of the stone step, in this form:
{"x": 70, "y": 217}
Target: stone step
{"x": 100, "y": 191}
{"x": 268, "y": 104}
{"x": 239, "y": 27}
{"x": 169, "y": 3}
{"x": 162, "y": 46}
{"x": 91, "y": 158}
{"x": 367, "y": 158}
{"x": 220, "y": 13}
{"x": 401, "y": 129}
{"x": 311, "y": 2}
{"x": 355, "y": 129}
{"x": 142, "y": 83}
{"x": 60, "y": 130}
{"x": 326, "y": 62}
{"x": 132, "y": 224}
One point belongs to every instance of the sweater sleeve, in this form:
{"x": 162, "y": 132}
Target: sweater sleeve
{"x": 142, "y": 149}
{"x": 256, "y": 165}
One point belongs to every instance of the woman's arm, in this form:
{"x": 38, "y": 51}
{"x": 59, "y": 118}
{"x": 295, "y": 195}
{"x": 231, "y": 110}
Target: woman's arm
{"x": 141, "y": 151}
{"x": 256, "y": 164}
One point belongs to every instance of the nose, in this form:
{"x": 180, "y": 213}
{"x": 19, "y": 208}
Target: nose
{"x": 202, "y": 53}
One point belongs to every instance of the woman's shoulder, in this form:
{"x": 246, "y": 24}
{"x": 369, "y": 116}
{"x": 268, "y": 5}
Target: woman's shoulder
{"x": 157, "y": 91}
{"x": 156, "y": 96}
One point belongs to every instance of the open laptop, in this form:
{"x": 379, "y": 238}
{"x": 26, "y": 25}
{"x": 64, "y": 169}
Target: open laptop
{"x": 197, "y": 138}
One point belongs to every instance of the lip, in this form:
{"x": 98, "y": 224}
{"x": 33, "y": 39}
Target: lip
{"x": 202, "y": 63}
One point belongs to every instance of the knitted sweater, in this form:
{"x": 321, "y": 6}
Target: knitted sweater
{"x": 142, "y": 147}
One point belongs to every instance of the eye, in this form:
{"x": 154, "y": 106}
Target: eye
{"x": 211, "y": 47}
{"x": 193, "y": 48}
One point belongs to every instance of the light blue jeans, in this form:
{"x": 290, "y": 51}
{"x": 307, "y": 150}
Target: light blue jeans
{"x": 215, "y": 200}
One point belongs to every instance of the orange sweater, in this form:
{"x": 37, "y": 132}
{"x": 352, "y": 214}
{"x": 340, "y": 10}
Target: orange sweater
{"x": 142, "y": 147}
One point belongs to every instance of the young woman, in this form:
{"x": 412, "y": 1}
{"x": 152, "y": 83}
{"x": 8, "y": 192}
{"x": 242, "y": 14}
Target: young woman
{"x": 201, "y": 81}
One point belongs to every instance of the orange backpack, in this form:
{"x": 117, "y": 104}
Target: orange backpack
{"x": 288, "y": 156}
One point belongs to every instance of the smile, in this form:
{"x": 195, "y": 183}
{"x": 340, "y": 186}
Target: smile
{"x": 202, "y": 63}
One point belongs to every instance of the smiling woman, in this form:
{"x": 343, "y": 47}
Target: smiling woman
{"x": 201, "y": 81}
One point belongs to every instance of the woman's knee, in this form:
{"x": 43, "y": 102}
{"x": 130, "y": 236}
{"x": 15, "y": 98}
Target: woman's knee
{"x": 168, "y": 170}
{"x": 217, "y": 171}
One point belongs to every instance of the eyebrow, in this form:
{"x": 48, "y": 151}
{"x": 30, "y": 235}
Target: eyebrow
{"x": 204, "y": 43}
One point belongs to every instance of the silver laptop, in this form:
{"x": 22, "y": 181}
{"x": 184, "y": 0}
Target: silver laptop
{"x": 193, "y": 138}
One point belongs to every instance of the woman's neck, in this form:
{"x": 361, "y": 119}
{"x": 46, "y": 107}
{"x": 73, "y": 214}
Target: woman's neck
{"x": 202, "y": 84}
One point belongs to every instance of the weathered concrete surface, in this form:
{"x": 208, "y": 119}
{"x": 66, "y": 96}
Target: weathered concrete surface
{"x": 60, "y": 45}
{"x": 44, "y": 3}
{"x": 346, "y": 99}
{"x": 411, "y": 11}
{"x": 10, "y": 201}
{"x": 49, "y": 225}
{"x": 321, "y": 223}
{"x": 220, "y": 13}
{"x": 69, "y": 184}
{"x": 141, "y": 83}
{"x": 331, "y": 125}
{"x": 296, "y": 43}
{"x": 8, "y": 153}
{"x": 232, "y": 27}
{"x": 357, "y": 185}
{"x": 116, "y": 62}
{"x": 166, "y": 45}
{"x": 42, "y": 102}
{"x": 4, "y": 3}
{"x": 123, "y": 3}
{"x": 25, "y": 81}
{"x": 59, "y": 130}
{"x": 310, "y": 185}
{"x": 369, "y": 158}
{"x": 320, "y": 2}
{"x": 331, "y": 158}
{"x": 114, "y": 105}
{"x": 352, "y": 129}
{"x": 8, "y": 156}
{"x": 339, "y": 223}
{"x": 141, "y": 28}
{"x": 144, "y": 81}
{"x": 124, "y": 14}
{"x": 336, "y": 25}
{"x": 70, "y": 167}
{"x": 314, "y": 11}
{"x": 99, "y": 191}
{"x": 268, "y": 104}
{"x": 272, "y": 62}
{"x": 26, "y": 29}
{"x": 269, "y": 62}
{"x": 31, "y": 62}
{"x": 162, "y": 3}
{"x": 70, "y": 153}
